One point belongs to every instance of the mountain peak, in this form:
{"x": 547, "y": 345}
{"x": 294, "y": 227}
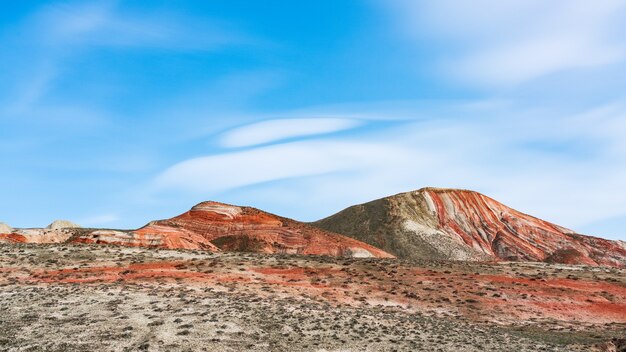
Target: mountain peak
{"x": 217, "y": 208}
{"x": 434, "y": 190}
{"x": 444, "y": 190}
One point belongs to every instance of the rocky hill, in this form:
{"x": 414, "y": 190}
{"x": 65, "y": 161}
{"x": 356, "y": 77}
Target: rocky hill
{"x": 245, "y": 229}
{"x": 453, "y": 224}
{"x": 214, "y": 227}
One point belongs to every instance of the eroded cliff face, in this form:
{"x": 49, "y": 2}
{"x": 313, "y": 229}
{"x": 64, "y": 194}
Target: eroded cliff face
{"x": 465, "y": 225}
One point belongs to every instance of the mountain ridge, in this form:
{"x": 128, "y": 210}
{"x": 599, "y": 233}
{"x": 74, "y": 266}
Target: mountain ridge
{"x": 212, "y": 226}
{"x": 428, "y": 223}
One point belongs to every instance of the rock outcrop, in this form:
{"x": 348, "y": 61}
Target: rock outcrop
{"x": 62, "y": 224}
{"x": 465, "y": 225}
{"x": 5, "y": 229}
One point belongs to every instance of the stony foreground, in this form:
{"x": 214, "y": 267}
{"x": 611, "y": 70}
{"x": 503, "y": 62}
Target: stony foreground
{"x": 88, "y": 298}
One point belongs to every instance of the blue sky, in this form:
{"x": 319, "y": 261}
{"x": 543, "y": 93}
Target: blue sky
{"x": 114, "y": 113}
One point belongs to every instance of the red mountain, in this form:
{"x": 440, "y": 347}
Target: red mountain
{"x": 465, "y": 225}
{"x": 216, "y": 226}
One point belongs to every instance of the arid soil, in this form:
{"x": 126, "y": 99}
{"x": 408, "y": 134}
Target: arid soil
{"x": 73, "y": 297}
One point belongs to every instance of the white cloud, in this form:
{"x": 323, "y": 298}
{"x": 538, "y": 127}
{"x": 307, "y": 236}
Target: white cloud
{"x": 275, "y": 130}
{"x": 518, "y": 62}
{"x": 510, "y": 42}
{"x": 278, "y": 162}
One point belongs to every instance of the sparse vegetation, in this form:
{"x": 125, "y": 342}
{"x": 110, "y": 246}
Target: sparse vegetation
{"x": 78, "y": 298}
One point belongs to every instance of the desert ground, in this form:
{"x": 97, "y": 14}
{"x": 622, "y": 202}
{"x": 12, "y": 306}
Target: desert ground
{"x": 73, "y": 297}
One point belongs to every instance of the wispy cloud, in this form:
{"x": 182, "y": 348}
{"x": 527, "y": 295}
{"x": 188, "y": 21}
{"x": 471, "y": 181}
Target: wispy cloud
{"x": 506, "y": 43}
{"x": 107, "y": 24}
{"x": 72, "y": 21}
{"x": 30, "y": 91}
{"x": 290, "y": 160}
{"x": 275, "y": 130}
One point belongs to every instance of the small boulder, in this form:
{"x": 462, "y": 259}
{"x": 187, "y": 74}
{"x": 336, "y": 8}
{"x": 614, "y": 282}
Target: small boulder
{"x": 4, "y": 228}
{"x": 62, "y": 224}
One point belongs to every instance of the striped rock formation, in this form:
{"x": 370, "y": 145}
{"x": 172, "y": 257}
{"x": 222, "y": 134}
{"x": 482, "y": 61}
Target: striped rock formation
{"x": 162, "y": 238}
{"x": 36, "y": 235}
{"x": 58, "y": 231}
{"x": 212, "y": 226}
{"x": 232, "y": 228}
{"x": 453, "y": 224}
{"x": 165, "y": 239}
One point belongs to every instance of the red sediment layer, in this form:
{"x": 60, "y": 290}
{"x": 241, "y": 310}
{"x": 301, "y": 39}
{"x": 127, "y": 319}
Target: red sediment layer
{"x": 216, "y": 227}
{"x": 498, "y": 297}
{"x": 507, "y": 234}
{"x": 166, "y": 238}
{"x": 232, "y": 228}
{"x": 13, "y": 238}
